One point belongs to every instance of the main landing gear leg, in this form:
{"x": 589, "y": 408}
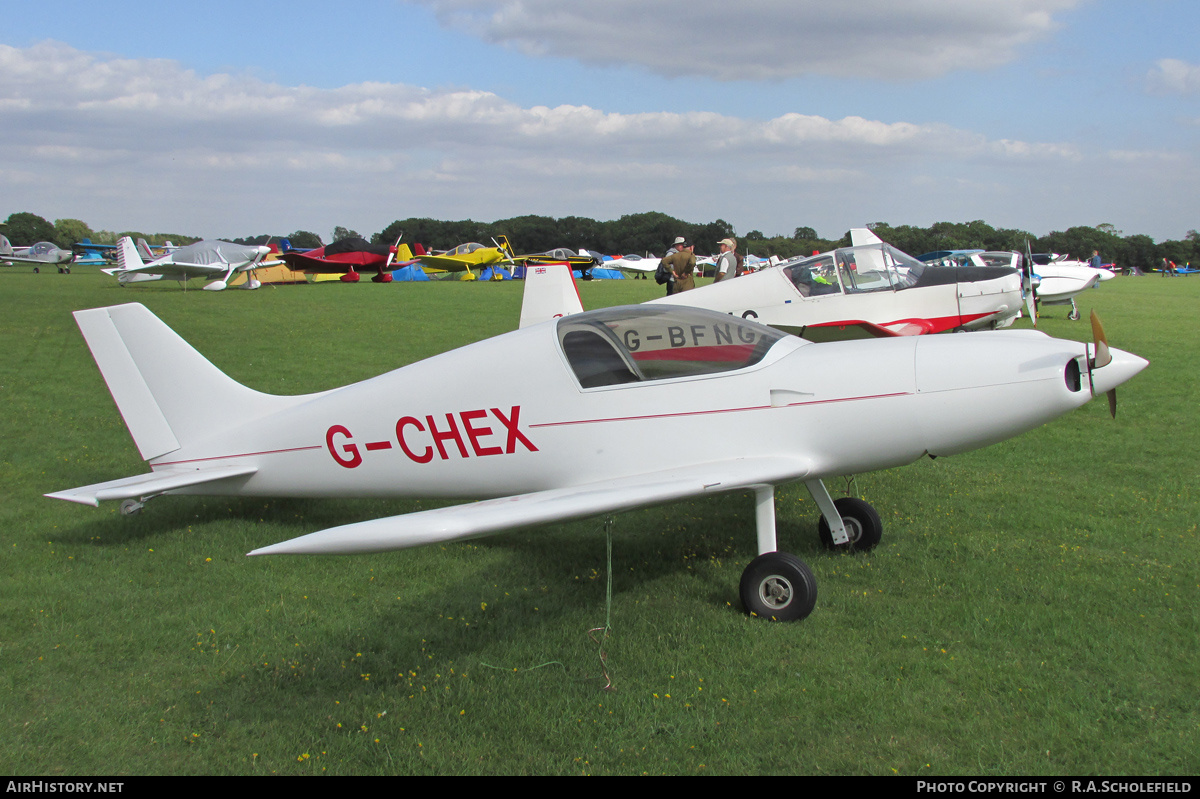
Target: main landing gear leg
{"x": 776, "y": 585}
{"x": 829, "y": 512}
{"x": 848, "y": 523}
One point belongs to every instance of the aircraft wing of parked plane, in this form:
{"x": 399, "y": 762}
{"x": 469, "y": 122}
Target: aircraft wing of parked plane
{"x": 668, "y": 402}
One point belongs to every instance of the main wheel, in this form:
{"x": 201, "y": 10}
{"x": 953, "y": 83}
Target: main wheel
{"x": 131, "y": 507}
{"x": 778, "y": 586}
{"x": 862, "y": 525}
{"x": 1073, "y": 315}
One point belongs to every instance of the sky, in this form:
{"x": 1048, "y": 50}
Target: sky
{"x": 242, "y": 118}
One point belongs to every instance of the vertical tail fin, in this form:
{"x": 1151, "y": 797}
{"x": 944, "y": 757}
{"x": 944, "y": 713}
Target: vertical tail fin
{"x": 5, "y": 246}
{"x": 166, "y": 391}
{"x": 549, "y": 293}
{"x": 127, "y": 254}
{"x": 144, "y": 250}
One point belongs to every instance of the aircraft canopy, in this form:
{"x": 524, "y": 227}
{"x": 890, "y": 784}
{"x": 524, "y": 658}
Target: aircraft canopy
{"x": 635, "y": 343}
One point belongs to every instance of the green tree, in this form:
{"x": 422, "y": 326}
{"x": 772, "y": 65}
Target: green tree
{"x": 340, "y": 233}
{"x": 305, "y": 240}
{"x": 70, "y": 231}
{"x": 24, "y": 229}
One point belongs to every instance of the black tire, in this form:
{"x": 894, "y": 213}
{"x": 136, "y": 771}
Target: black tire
{"x": 778, "y": 586}
{"x": 862, "y": 524}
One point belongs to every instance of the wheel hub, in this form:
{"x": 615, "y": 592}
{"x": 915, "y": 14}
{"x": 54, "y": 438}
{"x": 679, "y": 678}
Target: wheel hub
{"x": 776, "y": 592}
{"x": 854, "y": 528}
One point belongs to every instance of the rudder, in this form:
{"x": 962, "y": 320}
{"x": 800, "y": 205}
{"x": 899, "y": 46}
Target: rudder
{"x": 165, "y": 390}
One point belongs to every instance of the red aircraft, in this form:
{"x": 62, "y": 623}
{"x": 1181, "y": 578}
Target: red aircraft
{"x": 348, "y": 256}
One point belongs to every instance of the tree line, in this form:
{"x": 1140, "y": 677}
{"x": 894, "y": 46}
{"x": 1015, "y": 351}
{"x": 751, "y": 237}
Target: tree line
{"x": 652, "y": 233}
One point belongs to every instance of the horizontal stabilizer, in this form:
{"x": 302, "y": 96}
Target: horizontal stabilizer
{"x": 142, "y": 485}
{"x": 479, "y": 519}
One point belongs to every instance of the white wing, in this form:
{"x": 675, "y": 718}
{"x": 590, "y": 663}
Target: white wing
{"x": 479, "y": 519}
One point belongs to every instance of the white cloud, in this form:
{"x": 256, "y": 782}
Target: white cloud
{"x": 764, "y": 39}
{"x": 1172, "y": 76}
{"x": 146, "y": 144}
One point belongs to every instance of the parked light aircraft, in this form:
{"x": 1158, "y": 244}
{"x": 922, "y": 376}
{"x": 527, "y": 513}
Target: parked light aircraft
{"x": 88, "y": 253}
{"x": 586, "y": 415}
{"x": 581, "y": 260}
{"x": 213, "y": 260}
{"x": 43, "y": 253}
{"x": 465, "y": 257}
{"x": 635, "y": 265}
{"x": 1063, "y": 279}
{"x": 869, "y": 290}
{"x": 345, "y": 257}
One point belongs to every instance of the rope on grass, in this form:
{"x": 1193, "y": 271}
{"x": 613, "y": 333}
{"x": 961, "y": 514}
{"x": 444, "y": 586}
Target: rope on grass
{"x": 604, "y": 631}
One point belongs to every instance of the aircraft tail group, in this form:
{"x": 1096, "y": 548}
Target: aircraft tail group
{"x": 165, "y": 390}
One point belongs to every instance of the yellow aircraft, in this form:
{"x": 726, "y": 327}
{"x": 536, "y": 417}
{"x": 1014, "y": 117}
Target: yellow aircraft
{"x": 466, "y": 256}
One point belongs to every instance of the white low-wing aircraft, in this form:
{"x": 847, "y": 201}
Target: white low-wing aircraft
{"x": 868, "y": 290}
{"x": 1063, "y": 279}
{"x": 44, "y": 253}
{"x": 214, "y": 260}
{"x": 588, "y": 414}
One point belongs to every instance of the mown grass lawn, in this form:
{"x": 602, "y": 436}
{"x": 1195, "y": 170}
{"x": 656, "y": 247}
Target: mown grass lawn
{"x": 1034, "y": 607}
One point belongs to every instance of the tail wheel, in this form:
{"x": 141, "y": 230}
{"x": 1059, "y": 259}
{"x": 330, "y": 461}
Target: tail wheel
{"x": 778, "y": 586}
{"x": 862, "y": 525}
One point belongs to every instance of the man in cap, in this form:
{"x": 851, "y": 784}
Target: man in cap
{"x": 727, "y": 261}
{"x": 682, "y": 263}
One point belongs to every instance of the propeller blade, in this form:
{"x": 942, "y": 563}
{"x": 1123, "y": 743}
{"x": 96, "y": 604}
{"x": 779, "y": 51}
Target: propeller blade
{"x": 1027, "y": 283}
{"x": 392, "y": 255}
{"x": 1112, "y": 402}
{"x": 1102, "y": 357}
{"x": 504, "y": 253}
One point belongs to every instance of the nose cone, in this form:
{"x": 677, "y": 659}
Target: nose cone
{"x": 1121, "y": 368}
{"x": 263, "y": 250}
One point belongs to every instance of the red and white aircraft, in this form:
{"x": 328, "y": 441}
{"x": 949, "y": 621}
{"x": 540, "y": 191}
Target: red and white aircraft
{"x": 868, "y": 290}
{"x": 586, "y": 415}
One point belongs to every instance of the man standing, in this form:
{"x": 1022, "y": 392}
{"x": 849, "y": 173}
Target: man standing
{"x": 663, "y": 274}
{"x": 682, "y": 264}
{"x": 727, "y": 265}
{"x": 1094, "y": 261}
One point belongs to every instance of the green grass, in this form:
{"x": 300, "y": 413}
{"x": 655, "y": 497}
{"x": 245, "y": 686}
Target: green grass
{"x": 1034, "y": 607}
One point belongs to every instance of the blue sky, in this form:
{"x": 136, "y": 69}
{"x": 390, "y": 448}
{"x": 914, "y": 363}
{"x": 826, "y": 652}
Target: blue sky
{"x": 244, "y": 118}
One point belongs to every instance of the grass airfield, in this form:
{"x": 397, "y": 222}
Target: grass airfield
{"x": 1034, "y": 608}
